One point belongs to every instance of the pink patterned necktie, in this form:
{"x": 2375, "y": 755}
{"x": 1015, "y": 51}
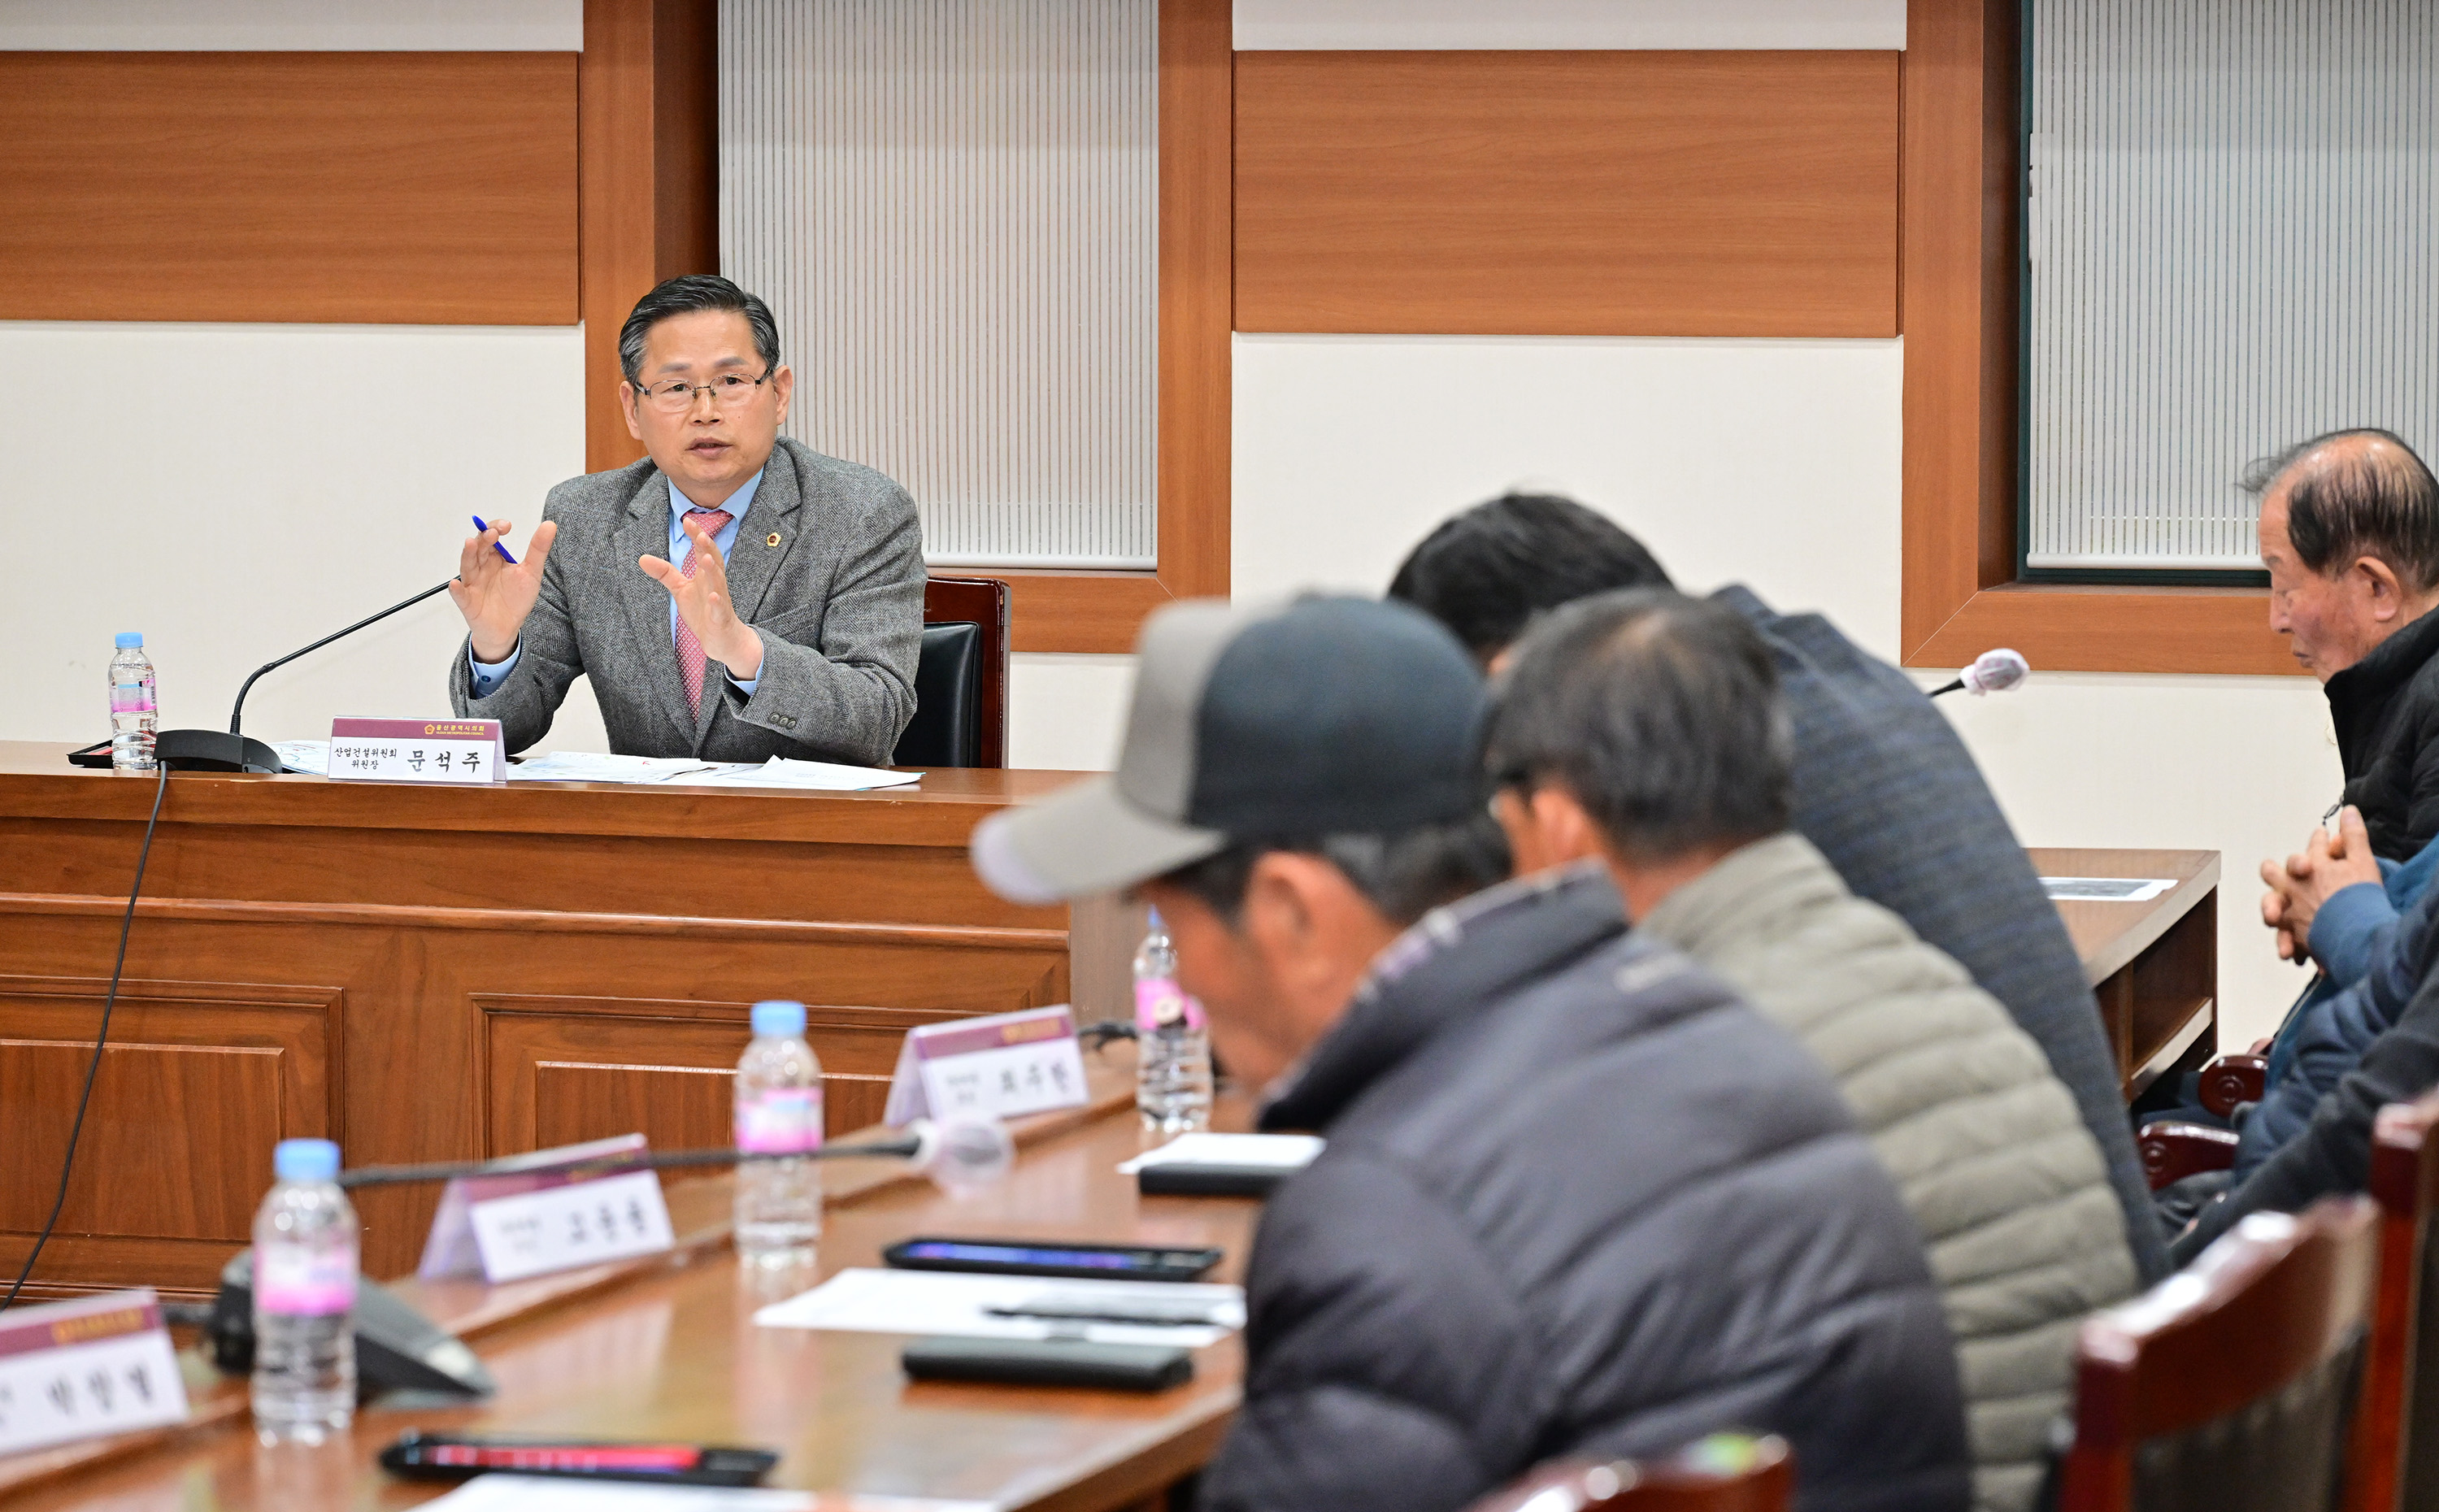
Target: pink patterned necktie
{"x": 690, "y": 657}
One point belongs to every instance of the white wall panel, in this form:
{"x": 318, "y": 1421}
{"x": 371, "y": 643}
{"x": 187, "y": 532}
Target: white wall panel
{"x": 1769, "y": 462}
{"x": 952, "y": 205}
{"x": 293, "y": 26}
{"x": 236, "y": 491}
{"x": 1564, "y": 24}
{"x": 1067, "y": 712}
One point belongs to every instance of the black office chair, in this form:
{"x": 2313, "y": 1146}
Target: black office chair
{"x": 947, "y": 730}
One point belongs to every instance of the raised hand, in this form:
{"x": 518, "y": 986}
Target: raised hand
{"x": 495, "y": 597}
{"x": 702, "y": 603}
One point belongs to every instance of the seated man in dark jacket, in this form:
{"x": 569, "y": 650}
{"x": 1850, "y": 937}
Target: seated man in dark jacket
{"x": 2350, "y": 533}
{"x": 1578, "y": 1196}
{"x": 2333, "y": 1153}
{"x": 1883, "y": 788}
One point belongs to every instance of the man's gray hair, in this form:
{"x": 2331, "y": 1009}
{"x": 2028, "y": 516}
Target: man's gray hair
{"x": 684, "y": 294}
{"x": 2357, "y": 493}
{"x": 1660, "y": 714}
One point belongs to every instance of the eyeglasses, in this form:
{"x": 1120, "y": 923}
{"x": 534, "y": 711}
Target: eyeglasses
{"x": 728, "y": 391}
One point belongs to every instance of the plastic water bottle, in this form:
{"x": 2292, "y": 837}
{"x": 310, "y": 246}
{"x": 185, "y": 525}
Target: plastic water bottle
{"x": 304, "y": 1294}
{"x": 778, "y": 1111}
{"x": 134, "y": 713}
{"x": 1174, "y": 1049}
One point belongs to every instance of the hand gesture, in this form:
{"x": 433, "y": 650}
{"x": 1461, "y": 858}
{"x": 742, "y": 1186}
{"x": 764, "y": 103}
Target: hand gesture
{"x": 494, "y": 597}
{"x": 702, "y": 603}
{"x": 2308, "y": 879}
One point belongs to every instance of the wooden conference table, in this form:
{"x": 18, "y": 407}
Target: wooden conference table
{"x": 452, "y": 973}
{"x": 666, "y": 1348}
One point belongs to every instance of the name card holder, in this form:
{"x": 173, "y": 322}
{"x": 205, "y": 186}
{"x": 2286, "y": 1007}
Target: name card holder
{"x": 509, "y": 1225}
{"x": 460, "y": 753}
{"x": 86, "y": 1367}
{"x": 1000, "y": 1066}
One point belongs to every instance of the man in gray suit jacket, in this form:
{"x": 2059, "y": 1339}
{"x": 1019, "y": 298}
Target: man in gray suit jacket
{"x": 734, "y": 596}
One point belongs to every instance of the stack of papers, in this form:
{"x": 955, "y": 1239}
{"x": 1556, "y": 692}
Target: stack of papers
{"x": 539, "y": 1493}
{"x": 819, "y": 776}
{"x": 955, "y": 1301}
{"x": 1281, "y": 1152}
{"x": 303, "y": 756}
{"x": 593, "y": 766}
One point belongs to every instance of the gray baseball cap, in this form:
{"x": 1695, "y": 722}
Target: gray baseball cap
{"x": 1279, "y": 722}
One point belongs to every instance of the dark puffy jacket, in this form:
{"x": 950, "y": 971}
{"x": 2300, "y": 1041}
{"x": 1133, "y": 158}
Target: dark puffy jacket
{"x": 2386, "y": 710}
{"x": 2333, "y": 1153}
{"x": 2335, "y": 1035}
{"x": 1578, "y": 1198}
{"x": 1888, "y": 792}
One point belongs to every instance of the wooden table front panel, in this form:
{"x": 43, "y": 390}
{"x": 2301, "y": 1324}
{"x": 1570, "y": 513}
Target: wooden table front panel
{"x": 433, "y": 975}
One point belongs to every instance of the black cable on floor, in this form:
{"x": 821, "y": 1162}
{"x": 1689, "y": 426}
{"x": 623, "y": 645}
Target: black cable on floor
{"x": 100, "y": 1039}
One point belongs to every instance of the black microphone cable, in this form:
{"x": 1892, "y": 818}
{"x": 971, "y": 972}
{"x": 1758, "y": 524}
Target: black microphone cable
{"x": 101, "y": 1038}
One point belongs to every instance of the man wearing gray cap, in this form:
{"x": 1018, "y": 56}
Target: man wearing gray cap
{"x": 1578, "y": 1196}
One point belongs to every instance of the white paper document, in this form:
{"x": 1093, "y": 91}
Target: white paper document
{"x": 303, "y": 756}
{"x": 814, "y": 776}
{"x": 951, "y": 1302}
{"x": 1286, "y": 1152}
{"x": 2106, "y": 889}
{"x": 596, "y": 766}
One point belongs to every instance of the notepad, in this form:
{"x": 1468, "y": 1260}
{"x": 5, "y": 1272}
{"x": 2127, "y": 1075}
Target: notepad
{"x": 812, "y": 777}
{"x": 952, "y": 1302}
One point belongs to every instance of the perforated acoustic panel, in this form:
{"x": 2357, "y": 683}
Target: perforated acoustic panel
{"x": 952, "y": 206}
{"x": 2233, "y": 231}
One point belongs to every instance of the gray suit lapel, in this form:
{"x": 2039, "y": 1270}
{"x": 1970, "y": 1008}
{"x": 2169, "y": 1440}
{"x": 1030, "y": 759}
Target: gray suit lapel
{"x": 645, "y": 533}
{"x": 752, "y": 561}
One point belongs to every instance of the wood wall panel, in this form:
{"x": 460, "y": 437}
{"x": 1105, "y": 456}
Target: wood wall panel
{"x": 389, "y": 186}
{"x": 1553, "y": 193}
{"x": 565, "y": 1070}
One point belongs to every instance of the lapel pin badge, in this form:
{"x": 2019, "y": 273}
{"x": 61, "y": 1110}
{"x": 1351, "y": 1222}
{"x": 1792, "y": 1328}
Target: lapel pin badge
{"x": 771, "y": 540}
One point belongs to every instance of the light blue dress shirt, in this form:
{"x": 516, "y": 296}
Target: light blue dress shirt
{"x": 489, "y": 675}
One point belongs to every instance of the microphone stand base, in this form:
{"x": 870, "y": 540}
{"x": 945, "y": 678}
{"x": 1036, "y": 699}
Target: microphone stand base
{"x": 214, "y": 751}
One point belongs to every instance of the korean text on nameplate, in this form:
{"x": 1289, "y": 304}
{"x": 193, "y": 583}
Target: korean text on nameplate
{"x": 453, "y": 752}
{"x": 558, "y": 1228}
{"x": 1000, "y": 1066}
{"x": 80, "y": 1369}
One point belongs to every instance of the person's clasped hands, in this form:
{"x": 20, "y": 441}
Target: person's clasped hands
{"x": 2326, "y": 864}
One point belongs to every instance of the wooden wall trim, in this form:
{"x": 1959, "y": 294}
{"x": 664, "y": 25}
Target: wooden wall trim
{"x": 723, "y": 930}
{"x": 1589, "y": 192}
{"x": 648, "y": 108}
{"x": 289, "y": 187}
{"x": 1959, "y": 251}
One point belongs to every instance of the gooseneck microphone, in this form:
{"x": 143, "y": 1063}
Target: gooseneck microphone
{"x": 213, "y": 751}
{"x": 959, "y": 1154}
{"x": 1991, "y": 672}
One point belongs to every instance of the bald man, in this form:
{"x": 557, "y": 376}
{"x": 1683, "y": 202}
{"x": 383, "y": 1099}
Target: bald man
{"x": 2350, "y": 534}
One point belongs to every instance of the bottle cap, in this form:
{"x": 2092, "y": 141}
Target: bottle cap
{"x": 1157, "y": 927}
{"x": 305, "y": 1160}
{"x": 128, "y": 638}
{"x": 778, "y": 1020}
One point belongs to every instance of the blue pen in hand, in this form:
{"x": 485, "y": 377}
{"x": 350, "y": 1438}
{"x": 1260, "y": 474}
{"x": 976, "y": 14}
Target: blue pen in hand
{"x": 495, "y": 545}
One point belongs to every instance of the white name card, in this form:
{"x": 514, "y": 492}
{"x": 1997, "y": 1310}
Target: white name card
{"x": 558, "y": 1228}
{"x": 1000, "y": 1066}
{"x": 457, "y": 752}
{"x": 78, "y": 1369}
{"x": 449, "y": 1248}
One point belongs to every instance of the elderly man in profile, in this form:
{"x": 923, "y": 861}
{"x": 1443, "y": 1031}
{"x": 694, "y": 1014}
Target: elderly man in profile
{"x": 732, "y": 597}
{"x": 1578, "y": 1196}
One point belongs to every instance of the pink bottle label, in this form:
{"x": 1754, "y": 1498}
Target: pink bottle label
{"x": 127, "y": 699}
{"x": 781, "y": 1121}
{"x": 1160, "y": 1003}
{"x": 300, "y": 1283}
